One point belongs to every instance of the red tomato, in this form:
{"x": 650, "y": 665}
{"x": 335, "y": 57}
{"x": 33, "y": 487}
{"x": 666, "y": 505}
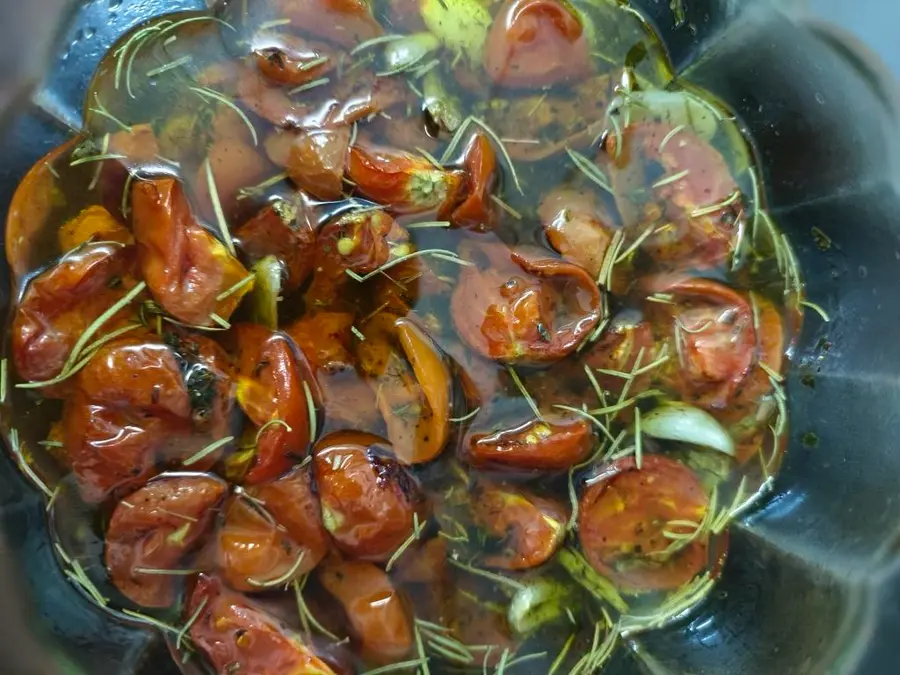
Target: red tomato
{"x": 254, "y": 554}
{"x": 286, "y": 230}
{"x": 325, "y": 338}
{"x": 230, "y": 630}
{"x": 711, "y": 326}
{"x": 359, "y": 242}
{"x": 368, "y": 498}
{"x": 626, "y": 338}
{"x": 292, "y": 60}
{"x": 698, "y": 215}
{"x": 554, "y": 444}
{"x": 185, "y": 267}
{"x": 412, "y": 386}
{"x": 577, "y": 226}
{"x": 94, "y": 223}
{"x": 380, "y": 621}
{"x": 154, "y": 529}
{"x": 345, "y": 23}
{"x": 315, "y": 159}
{"x": 235, "y": 164}
{"x": 535, "y": 43}
{"x": 114, "y": 450}
{"x": 525, "y": 310}
{"x": 622, "y": 517}
{"x": 531, "y": 528}
{"x": 477, "y": 212}
{"x": 405, "y": 182}
{"x": 59, "y": 304}
{"x": 271, "y": 373}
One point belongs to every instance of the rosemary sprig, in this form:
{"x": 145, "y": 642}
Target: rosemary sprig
{"x": 561, "y": 656}
{"x": 4, "y": 379}
{"x": 635, "y": 245}
{"x": 817, "y": 309}
{"x": 322, "y": 81}
{"x": 189, "y": 624}
{"x": 669, "y": 136}
{"x": 674, "y": 178}
{"x": 283, "y": 579}
{"x": 311, "y": 411}
{"x": 588, "y": 578}
{"x": 599, "y": 653}
{"x": 217, "y": 207}
{"x": 208, "y": 450}
{"x": 306, "y": 615}
{"x": 713, "y": 208}
{"x": 444, "y": 254}
{"x": 259, "y": 188}
{"x": 410, "y": 540}
{"x": 589, "y": 169}
{"x": 490, "y": 576}
{"x": 506, "y": 207}
{"x": 24, "y": 465}
{"x": 381, "y": 39}
{"x": 172, "y": 65}
{"x": 673, "y": 607}
{"x": 522, "y": 390}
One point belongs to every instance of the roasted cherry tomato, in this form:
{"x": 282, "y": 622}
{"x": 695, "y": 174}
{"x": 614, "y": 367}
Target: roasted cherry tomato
{"x": 405, "y": 182}
{"x": 271, "y": 376}
{"x": 368, "y": 499}
{"x": 59, "y": 304}
{"x": 94, "y": 223}
{"x": 530, "y": 528}
{"x": 359, "y": 242}
{"x": 711, "y": 326}
{"x": 185, "y": 267}
{"x": 286, "y": 230}
{"x": 477, "y": 212}
{"x": 424, "y": 564}
{"x": 238, "y": 637}
{"x": 693, "y": 205}
{"x": 113, "y": 450}
{"x": 627, "y": 338}
{"x": 292, "y": 60}
{"x": 412, "y": 386}
{"x": 235, "y": 164}
{"x": 535, "y": 43}
{"x": 254, "y": 554}
{"x": 154, "y": 529}
{"x": 376, "y": 612}
{"x": 315, "y": 159}
{"x": 578, "y": 227}
{"x": 525, "y": 309}
{"x": 345, "y": 23}
{"x": 553, "y": 444}
{"x": 624, "y": 514}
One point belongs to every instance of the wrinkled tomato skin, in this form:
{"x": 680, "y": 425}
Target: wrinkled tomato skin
{"x": 94, "y": 223}
{"x": 543, "y": 445}
{"x": 368, "y": 499}
{"x": 315, "y": 159}
{"x": 325, "y": 338}
{"x": 154, "y": 528}
{"x": 271, "y": 372}
{"x": 618, "y": 349}
{"x": 526, "y": 310}
{"x": 230, "y": 630}
{"x": 185, "y": 267}
{"x": 59, "y": 304}
{"x": 623, "y": 514}
{"x": 577, "y": 227}
{"x": 703, "y": 240}
{"x": 287, "y": 231}
{"x": 535, "y": 43}
{"x": 292, "y": 60}
{"x": 407, "y": 183}
{"x": 376, "y": 612}
{"x": 717, "y": 343}
{"x": 534, "y": 527}
{"x": 252, "y": 551}
{"x": 477, "y": 212}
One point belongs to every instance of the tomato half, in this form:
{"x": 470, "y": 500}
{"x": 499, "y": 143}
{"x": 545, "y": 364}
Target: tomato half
{"x": 270, "y": 391}
{"x": 525, "y": 309}
{"x": 286, "y": 230}
{"x": 368, "y": 498}
{"x": 314, "y": 159}
{"x": 624, "y": 513}
{"x": 94, "y": 223}
{"x": 185, "y": 267}
{"x": 530, "y": 528}
{"x": 477, "y": 212}
{"x": 554, "y": 444}
{"x": 535, "y": 43}
{"x": 154, "y": 529}
{"x": 59, "y": 304}
{"x": 627, "y": 337}
{"x": 405, "y": 182}
{"x": 375, "y": 610}
{"x": 577, "y": 226}
{"x": 236, "y": 636}
{"x": 292, "y": 60}
{"x": 695, "y": 217}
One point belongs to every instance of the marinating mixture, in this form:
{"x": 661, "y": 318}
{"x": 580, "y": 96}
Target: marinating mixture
{"x": 434, "y": 336}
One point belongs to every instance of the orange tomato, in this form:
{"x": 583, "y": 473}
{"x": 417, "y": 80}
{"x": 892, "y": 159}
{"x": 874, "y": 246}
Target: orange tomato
{"x": 154, "y": 529}
{"x": 477, "y": 212}
{"x": 94, "y": 223}
{"x": 535, "y": 43}
{"x": 314, "y": 159}
{"x": 554, "y": 444}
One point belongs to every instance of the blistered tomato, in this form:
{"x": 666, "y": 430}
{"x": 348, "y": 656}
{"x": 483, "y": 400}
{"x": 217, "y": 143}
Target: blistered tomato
{"x": 578, "y": 227}
{"x": 551, "y": 444}
{"x": 477, "y": 211}
{"x": 315, "y": 159}
{"x": 292, "y": 60}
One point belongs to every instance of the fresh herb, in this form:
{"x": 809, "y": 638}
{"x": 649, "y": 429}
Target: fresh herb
{"x": 673, "y": 607}
{"x": 217, "y": 207}
{"x": 634, "y": 246}
{"x": 103, "y": 111}
{"x": 674, "y": 178}
{"x": 638, "y": 440}
{"x": 498, "y": 579}
{"x": 24, "y": 464}
{"x": 588, "y": 578}
{"x": 375, "y": 41}
{"x": 190, "y": 622}
{"x": 506, "y": 207}
{"x": 428, "y": 225}
{"x": 310, "y": 85}
{"x": 466, "y": 417}
{"x": 283, "y": 579}
{"x": 227, "y": 293}
{"x": 172, "y": 65}
{"x": 410, "y": 540}
{"x": 306, "y": 616}
{"x": 589, "y": 169}
{"x": 449, "y": 256}
{"x": 817, "y": 309}
{"x": 599, "y": 653}
{"x": 522, "y": 390}
{"x": 669, "y": 136}
{"x": 260, "y": 188}
{"x": 713, "y": 208}
{"x": 163, "y": 626}
{"x": 4, "y": 379}
{"x": 208, "y": 450}
{"x": 208, "y": 94}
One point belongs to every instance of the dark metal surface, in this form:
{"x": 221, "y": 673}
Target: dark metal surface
{"x": 812, "y": 584}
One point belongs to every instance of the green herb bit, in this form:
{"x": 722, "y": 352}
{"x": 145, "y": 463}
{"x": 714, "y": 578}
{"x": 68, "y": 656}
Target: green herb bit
{"x": 217, "y": 207}
{"x": 4, "y": 379}
{"x": 24, "y": 465}
{"x": 506, "y": 207}
{"x": 305, "y": 614}
{"x": 561, "y": 657}
{"x": 152, "y": 571}
{"x": 713, "y": 208}
{"x": 522, "y": 390}
{"x": 172, "y": 65}
{"x": 609, "y": 259}
{"x": 423, "y": 658}
{"x": 410, "y": 540}
{"x": 466, "y": 417}
{"x": 428, "y": 225}
{"x": 274, "y": 23}
{"x": 600, "y": 652}
{"x": 501, "y": 666}
{"x": 635, "y": 245}
{"x": 218, "y": 320}
{"x": 235, "y": 288}
{"x": 589, "y": 169}
{"x": 638, "y": 440}
{"x": 103, "y": 111}
{"x": 96, "y": 158}
{"x": 206, "y": 94}
{"x": 163, "y": 626}
{"x": 817, "y": 309}
{"x": 358, "y": 333}
{"x": 394, "y": 667}
{"x": 283, "y": 579}
{"x": 311, "y": 410}
{"x": 208, "y": 450}
{"x": 669, "y": 136}
{"x": 498, "y": 579}
{"x": 586, "y": 415}
{"x": 268, "y": 425}
{"x": 259, "y": 188}
{"x": 190, "y": 622}
{"x": 445, "y": 255}
{"x": 376, "y": 41}
{"x": 526, "y": 658}
{"x": 52, "y": 500}
{"x": 455, "y": 140}
{"x": 674, "y": 178}
{"x": 672, "y": 608}
{"x": 588, "y": 578}
{"x": 310, "y": 85}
